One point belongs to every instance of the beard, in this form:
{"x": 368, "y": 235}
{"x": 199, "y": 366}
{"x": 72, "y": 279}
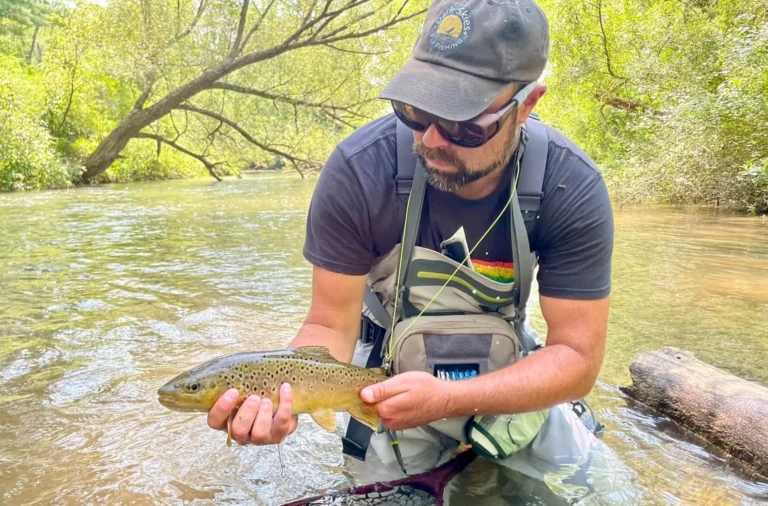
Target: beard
{"x": 452, "y": 181}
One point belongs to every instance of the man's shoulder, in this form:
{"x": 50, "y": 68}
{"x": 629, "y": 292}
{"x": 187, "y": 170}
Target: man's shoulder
{"x": 564, "y": 153}
{"x": 375, "y": 139}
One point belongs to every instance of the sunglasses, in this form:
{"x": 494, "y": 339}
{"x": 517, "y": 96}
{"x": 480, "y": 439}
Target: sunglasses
{"x": 469, "y": 134}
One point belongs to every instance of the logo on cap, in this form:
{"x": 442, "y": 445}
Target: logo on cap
{"x": 451, "y": 29}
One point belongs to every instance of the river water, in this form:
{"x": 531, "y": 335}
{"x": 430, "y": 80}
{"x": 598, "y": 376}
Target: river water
{"x": 108, "y": 292}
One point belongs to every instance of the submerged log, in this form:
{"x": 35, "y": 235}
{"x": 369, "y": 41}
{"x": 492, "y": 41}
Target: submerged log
{"x": 728, "y": 411}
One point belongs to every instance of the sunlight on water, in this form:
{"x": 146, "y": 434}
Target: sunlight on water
{"x": 108, "y": 292}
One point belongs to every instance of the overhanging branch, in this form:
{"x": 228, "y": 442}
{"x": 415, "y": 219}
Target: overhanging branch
{"x": 241, "y": 131}
{"x": 288, "y": 100}
{"x": 208, "y": 165}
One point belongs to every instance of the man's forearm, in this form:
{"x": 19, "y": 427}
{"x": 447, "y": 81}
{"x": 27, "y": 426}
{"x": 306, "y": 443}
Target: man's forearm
{"x": 313, "y": 334}
{"x": 552, "y": 375}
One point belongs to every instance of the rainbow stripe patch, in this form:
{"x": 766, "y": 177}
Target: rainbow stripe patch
{"x": 503, "y": 272}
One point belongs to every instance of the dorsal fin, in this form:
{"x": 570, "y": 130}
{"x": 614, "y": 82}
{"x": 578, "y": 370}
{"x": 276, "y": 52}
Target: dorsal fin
{"x": 316, "y": 351}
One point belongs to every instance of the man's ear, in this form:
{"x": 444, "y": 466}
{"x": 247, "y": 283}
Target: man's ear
{"x": 530, "y": 102}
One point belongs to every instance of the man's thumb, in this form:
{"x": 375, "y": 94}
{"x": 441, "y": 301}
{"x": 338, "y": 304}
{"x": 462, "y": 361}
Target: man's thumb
{"x": 373, "y": 393}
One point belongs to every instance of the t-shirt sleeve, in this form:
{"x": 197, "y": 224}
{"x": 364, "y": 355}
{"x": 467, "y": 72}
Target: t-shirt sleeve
{"x": 576, "y": 244}
{"x": 338, "y": 236}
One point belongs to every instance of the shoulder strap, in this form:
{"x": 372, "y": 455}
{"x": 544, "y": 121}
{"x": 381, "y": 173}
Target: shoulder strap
{"x": 532, "y": 166}
{"x": 410, "y": 184}
{"x": 526, "y": 200}
{"x": 357, "y": 438}
{"x": 406, "y": 161}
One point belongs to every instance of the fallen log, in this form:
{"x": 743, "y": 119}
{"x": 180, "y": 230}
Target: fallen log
{"x": 730, "y": 412}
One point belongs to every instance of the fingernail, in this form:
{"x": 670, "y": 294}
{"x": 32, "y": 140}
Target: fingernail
{"x": 231, "y": 396}
{"x": 366, "y": 394}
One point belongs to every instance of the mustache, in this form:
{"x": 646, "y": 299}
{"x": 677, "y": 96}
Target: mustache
{"x": 436, "y": 154}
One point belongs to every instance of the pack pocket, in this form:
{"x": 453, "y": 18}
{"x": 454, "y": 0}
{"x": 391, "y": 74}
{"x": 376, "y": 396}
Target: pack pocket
{"x": 454, "y": 347}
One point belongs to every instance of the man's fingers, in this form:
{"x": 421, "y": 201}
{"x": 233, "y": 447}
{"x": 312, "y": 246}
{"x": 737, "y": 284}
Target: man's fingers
{"x": 218, "y": 414}
{"x": 253, "y": 421}
{"x": 282, "y": 421}
{"x": 241, "y": 424}
{"x": 262, "y": 427}
{"x": 384, "y": 390}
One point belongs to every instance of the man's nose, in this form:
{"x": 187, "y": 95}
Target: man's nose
{"x": 431, "y": 138}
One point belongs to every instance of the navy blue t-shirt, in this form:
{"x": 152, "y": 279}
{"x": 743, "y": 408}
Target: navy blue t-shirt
{"x": 353, "y": 216}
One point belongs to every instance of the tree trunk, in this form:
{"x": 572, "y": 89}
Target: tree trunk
{"x": 108, "y": 150}
{"x": 31, "y": 51}
{"x": 728, "y": 411}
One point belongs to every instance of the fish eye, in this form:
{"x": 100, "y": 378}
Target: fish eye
{"x": 194, "y": 387}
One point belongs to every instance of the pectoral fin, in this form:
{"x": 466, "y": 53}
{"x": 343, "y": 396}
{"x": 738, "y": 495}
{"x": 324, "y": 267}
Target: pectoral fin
{"x": 365, "y": 414}
{"x": 325, "y": 418}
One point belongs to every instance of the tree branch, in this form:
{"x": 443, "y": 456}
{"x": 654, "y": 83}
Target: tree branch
{"x": 605, "y": 40}
{"x": 607, "y": 98}
{"x": 239, "y": 129}
{"x": 208, "y": 165}
{"x": 370, "y": 53}
{"x": 325, "y": 14}
{"x": 256, "y": 26}
{"x": 287, "y": 100}
{"x": 192, "y": 25}
{"x": 290, "y": 43}
{"x": 240, "y": 29}
{"x": 359, "y": 35}
{"x": 149, "y": 81}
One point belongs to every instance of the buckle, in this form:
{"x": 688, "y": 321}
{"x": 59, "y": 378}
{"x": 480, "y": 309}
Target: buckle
{"x": 367, "y": 331}
{"x": 403, "y": 185}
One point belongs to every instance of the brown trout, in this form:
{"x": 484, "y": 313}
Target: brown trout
{"x": 321, "y": 385}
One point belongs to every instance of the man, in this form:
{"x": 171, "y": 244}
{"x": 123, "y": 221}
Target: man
{"x": 474, "y": 62}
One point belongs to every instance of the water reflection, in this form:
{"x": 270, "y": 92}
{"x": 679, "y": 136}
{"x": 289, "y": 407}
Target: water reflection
{"x": 108, "y": 292}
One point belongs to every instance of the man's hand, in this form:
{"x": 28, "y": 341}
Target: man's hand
{"x": 408, "y": 400}
{"x": 254, "y": 423}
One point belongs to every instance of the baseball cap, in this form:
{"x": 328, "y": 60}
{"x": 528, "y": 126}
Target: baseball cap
{"x": 468, "y": 52}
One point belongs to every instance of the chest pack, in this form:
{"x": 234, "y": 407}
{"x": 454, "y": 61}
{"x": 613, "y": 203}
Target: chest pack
{"x": 425, "y": 311}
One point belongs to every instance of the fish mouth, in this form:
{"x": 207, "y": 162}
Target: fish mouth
{"x": 177, "y": 403}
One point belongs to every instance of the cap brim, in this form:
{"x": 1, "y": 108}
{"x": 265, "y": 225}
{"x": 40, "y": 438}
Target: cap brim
{"x": 442, "y": 91}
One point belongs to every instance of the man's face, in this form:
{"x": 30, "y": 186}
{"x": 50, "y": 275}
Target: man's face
{"x": 449, "y": 166}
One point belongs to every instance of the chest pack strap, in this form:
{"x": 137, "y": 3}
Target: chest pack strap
{"x": 358, "y": 436}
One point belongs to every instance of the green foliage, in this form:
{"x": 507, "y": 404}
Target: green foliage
{"x": 22, "y": 13}
{"x": 141, "y": 162}
{"x": 28, "y": 160}
{"x": 670, "y": 98}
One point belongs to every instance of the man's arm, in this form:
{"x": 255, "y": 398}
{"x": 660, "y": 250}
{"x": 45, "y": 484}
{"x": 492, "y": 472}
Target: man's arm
{"x": 333, "y": 321}
{"x": 334, "y": 315}
{"x": 565, "y": 369}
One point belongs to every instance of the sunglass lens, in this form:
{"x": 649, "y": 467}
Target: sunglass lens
{"x": 463, "y": 134}
{"x": 410, "y": 116}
